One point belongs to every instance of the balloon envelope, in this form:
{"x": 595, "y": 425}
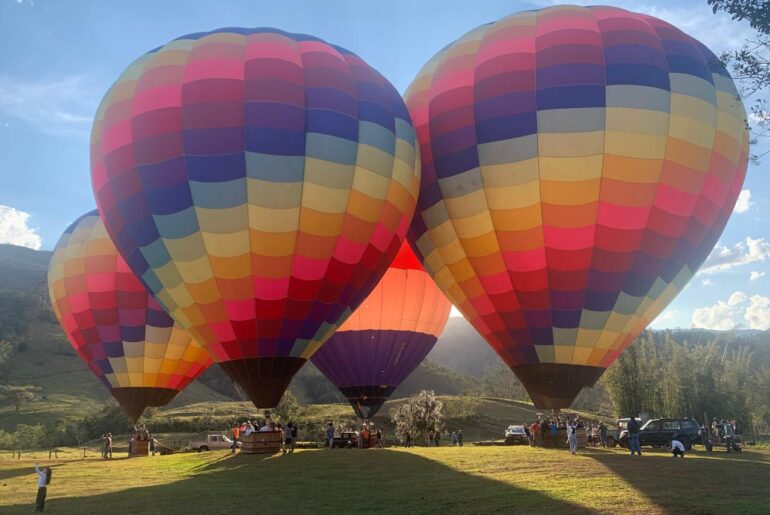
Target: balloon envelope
{"x": 579, "y": 164}
{"x": 387, "y": 337}
{"x": 259, "y": 183}
{"x": 115, "y": 325}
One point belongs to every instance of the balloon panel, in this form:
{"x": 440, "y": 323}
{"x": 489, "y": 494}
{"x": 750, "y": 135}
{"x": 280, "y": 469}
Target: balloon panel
{"x": 579, "y": 164}
{"x": 116, "y": 327}
{"x": 258, "y": 182}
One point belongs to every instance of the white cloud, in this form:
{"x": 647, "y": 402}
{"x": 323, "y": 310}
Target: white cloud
{"x": 61, "y": 106}
{"x": 755, "y": 275}
{"x": 758, "y": 313}
{"x": 669, "y": 314}
{"x": 744, "y": 202}
{"x": 736, "y": 299}
{"x": 724, "y": 258}
{"x": 718, "y": 317}
{"x": 454, "y": 312}
{"x": 14, "y": 229}
{"x": 724, "y": 316}
{"x": 707, "y": 282}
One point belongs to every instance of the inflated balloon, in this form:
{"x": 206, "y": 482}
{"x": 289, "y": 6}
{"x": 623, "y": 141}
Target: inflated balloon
{"x": 259, "y": 183}
{"x": 385, "y": 339}
{"x": 114, "y": 324}
{"x": 579, "y": 163}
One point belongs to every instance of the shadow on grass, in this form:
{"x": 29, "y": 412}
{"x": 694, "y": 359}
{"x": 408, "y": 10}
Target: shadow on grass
{"x": 22, "y": 470}
{"x": 716, "y": 482}
{"x": 320, "y": 482}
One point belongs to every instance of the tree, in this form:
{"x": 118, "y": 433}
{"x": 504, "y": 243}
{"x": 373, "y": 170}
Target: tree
{"x": 5, "y": 354}
{"x": 419, "y": 415}
{"x": 756, "y": 12}
{"x": 288, "y": 409}
{"x": 751, "y": 63}
{"x": 19, "y": 395}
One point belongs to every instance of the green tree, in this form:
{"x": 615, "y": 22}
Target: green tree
{"x": 18, "y": 395}
{"x": 750, "y": 64}
{"x": 419, "y": 415}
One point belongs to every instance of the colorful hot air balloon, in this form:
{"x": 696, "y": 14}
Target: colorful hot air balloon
{"x": 579, "y": 163}
{"x": 259, "y": 183}
{"x": 385, "y": 339}
{"x": 114, "y": 324}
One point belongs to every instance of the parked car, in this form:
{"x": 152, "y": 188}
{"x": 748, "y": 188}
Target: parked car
{"x": 212, "y": 441}
{"x": 516, "y": 435}
{"x": 346, "y": 440}
{"x": 659, "y": 432}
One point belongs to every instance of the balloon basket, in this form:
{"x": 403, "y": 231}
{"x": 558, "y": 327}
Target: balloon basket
{"x": 261, "y": 442}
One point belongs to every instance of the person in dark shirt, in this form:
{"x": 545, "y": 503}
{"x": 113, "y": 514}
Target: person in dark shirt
{"x": 633, "y": 435}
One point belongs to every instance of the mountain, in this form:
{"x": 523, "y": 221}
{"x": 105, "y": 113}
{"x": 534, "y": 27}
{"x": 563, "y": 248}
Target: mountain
{"x": 462, "y": 349}
{"x": 41, "y": 356}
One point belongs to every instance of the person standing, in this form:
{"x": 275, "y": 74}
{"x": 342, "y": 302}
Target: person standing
{"x": 108, "y": 446}
{"x": 236, "y": 436}
{"x": 534, "y": 429}
{"x": 43, "y": 480}
{"x": 554, "y": 429}
{"x": 460, "y": 437}
{"x": 603, "y": 434}
{"x": 454, "y": 438}
{"x": 633, "y": 434}
{"x": 408, "y": 439}
{"x": 437, "y": 438}
{"x": 379, "y": 438}
{"x": 286, "y": 438}
{"x": 293, "y": 435}
{"x": 572, "y": 437}
{"x": 330, "y": 435}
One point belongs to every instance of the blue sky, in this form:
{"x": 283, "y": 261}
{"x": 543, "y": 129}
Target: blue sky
{"x": 58, "y": 58}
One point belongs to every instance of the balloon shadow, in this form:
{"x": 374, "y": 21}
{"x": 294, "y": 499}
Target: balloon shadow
{"x": 322, "y": 481}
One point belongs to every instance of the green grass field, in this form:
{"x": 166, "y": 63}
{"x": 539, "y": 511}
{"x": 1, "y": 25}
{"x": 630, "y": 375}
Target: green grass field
{"x": 419, "y": 480}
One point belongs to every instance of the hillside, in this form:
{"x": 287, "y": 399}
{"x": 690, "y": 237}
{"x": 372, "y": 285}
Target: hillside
{"x": 461, "y": 361}
{"x": 41, "y": 356}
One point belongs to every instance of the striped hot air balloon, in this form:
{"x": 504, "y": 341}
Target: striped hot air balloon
{"x": 259, "y": 183}
{"x": 579, "y": 164}
{"x": 387, "y": 337}
{"x": 115, "y": 325}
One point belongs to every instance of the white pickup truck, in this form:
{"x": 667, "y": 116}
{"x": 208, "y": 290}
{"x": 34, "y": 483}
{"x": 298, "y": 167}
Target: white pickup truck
{"x": 212, "y": 441}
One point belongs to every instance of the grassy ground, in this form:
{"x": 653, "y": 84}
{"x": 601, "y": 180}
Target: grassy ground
{"x": 419, "y": 480}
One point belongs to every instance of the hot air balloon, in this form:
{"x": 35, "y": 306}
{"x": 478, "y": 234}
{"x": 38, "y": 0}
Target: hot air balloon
{"x": 116, "y": 327}
{"x": 259, "y": 183}
{"x": 579, "y": 163}
{"x": 385, "y": 339}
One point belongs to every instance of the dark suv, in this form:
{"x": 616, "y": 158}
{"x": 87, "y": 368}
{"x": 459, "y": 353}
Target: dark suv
{"x": 659, "y": 432}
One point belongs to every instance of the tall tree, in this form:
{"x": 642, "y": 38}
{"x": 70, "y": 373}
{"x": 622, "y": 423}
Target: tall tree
{"x": 751, "y": 63}
{"x": 419, "y": 415}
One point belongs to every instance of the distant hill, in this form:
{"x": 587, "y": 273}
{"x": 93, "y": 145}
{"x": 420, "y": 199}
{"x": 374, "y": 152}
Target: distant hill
{"x": 43, "y": 357}
{"x": 462, "y": 349}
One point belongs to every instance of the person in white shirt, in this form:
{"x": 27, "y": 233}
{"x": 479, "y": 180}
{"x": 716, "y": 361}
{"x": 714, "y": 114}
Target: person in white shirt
{"x": 572, "y": 437}
{"x": 43, "y": 479}
{"x": 265, "y": 428}
{"x": 677, "y": 449}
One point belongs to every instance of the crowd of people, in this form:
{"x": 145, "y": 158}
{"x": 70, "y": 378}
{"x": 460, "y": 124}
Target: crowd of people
{"x": 545, "y": 432}
{"x": 723, "y": 431}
